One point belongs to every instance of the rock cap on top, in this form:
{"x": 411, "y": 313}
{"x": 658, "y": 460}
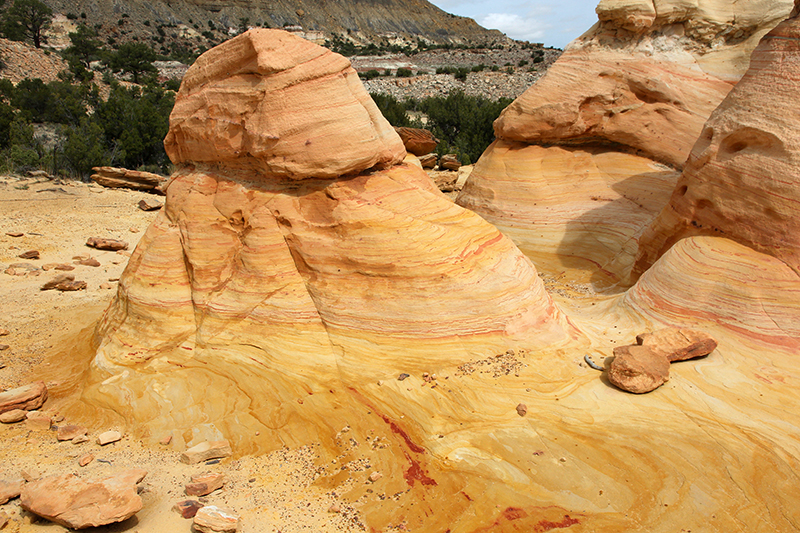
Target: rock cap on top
{"x": 280, "y": 104}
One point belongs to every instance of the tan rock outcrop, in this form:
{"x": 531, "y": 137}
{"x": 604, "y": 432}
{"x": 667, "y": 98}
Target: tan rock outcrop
{"x": 638, "y": 86}
{"x": 277, "y": 289}
{"x": 282, "y": 106}
{"x": 742, "y": 181}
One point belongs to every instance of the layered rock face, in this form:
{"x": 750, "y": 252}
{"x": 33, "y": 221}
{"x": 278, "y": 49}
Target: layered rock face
{"x": 742, "y": 180}
{"x": 636, "y": 88}
{"x": 297, "y": 255}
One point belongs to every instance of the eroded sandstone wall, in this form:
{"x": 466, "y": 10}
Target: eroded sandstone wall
{"x": 637, "y": 87}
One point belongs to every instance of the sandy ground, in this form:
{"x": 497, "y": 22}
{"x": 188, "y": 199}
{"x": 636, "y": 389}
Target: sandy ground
{"x": 281, "y": 491}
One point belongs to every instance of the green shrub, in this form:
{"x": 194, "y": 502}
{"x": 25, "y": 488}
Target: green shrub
{"x": 404, "y": 73}
{"x": 370, "y": 74}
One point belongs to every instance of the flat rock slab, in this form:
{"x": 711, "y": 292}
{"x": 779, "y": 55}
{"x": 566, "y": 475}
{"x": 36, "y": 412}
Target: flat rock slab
{"x": 27, "y": 397}
{"x": 30, "y": 254}
{"x": 70, "y": 431}
{"x": 203, "y": 484}
{"x": 108, "y": 437}
{"x": 77, "y": 503}
{"x": 13, "y": 416}
{"x": 100, "y": 243}
{"x": 216, "y": 519}
{"x": 678, "y": 344}
{"x": 38, "y": 421}
{"x": 638, "y": 369}
{"x": 205, "y": 451}
{"x": 9, "y": 490}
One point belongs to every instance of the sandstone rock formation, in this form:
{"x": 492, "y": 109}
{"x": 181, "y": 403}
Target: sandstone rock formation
{"x": 742, "y": 180}
{"x": 589, "y": 154}
{"x": 293, "y": 261}
{"x": 716, "y": 281}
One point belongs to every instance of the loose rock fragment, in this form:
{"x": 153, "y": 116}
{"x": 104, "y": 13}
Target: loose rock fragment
{"x": 450, "y": 162}
{"x": 3, "y": 332}
{"x": 70, "y": 432}
{"x": 205, "y": 451}
{"x": 13, "y": 416}
{"x": 149, "y": 205}
{"x": 30, "y": 254}
{"x": 86, "y": 459}
{"x": 56, "y": 281}
{"x": 428, "y": 160}
{"x": 80, "y": 439}
{"x": 91, "y": 262}
{"x": 14, "y": 233}
{"x": 38, "y": 421}
{"x": 203, "y": 484}
{"x": 678, "y": 344}
{"x": 638, "y": 369}
{"x": 100, "y": 243}
{"x": 4, "y": 347}
{"x": 403, "y": 376}
{"x": 108, "y": 437}
{"x": 522, "y": 409}
{"x": 215, "y": 519}
{"x": 335, "y": 508}
{"x": 166, "y": 440}
{"x": 9, "y": 490}
{"x": 375, "y": 476}
{"x": 27, "y": 397}
{"x": 187, "y": 508}
{"x": 76, "y": 503}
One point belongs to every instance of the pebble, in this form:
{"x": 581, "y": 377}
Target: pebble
{"x": 108, "y": 437}
{"x": 3, "y": 332}
{"x": 85, "y": 459}
{"x": 4, "y": 347}
{"x": 375, "y": 476}
{"x": 522, "y": 409}
{"x": 403, "y": 376}
{"x": 334, "y": 508}
{"x": 80, "y": 439}
{"x": 14, "y": 233}
{"x": 166, "y": 440}
{"x": 13, "y": 416}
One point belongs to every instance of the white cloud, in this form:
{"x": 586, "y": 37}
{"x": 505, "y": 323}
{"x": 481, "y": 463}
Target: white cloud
{"x": 527, "y": 28}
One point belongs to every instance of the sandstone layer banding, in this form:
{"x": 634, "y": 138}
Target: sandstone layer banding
{"x": 637, "y": 88}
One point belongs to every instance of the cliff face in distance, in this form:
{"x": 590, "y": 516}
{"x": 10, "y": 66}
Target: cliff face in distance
{"x": 363, "y": 20}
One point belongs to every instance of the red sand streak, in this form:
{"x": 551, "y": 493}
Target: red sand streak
{"x": 546, "y": 525}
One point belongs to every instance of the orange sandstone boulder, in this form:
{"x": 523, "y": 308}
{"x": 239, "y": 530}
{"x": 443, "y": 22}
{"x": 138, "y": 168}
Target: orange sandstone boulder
{"x": 743, "y": 178}
{"x": 417, "y": 141}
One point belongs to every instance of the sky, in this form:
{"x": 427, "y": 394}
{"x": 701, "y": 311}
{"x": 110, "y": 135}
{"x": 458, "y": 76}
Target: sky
{"x": 552, "y": 22}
